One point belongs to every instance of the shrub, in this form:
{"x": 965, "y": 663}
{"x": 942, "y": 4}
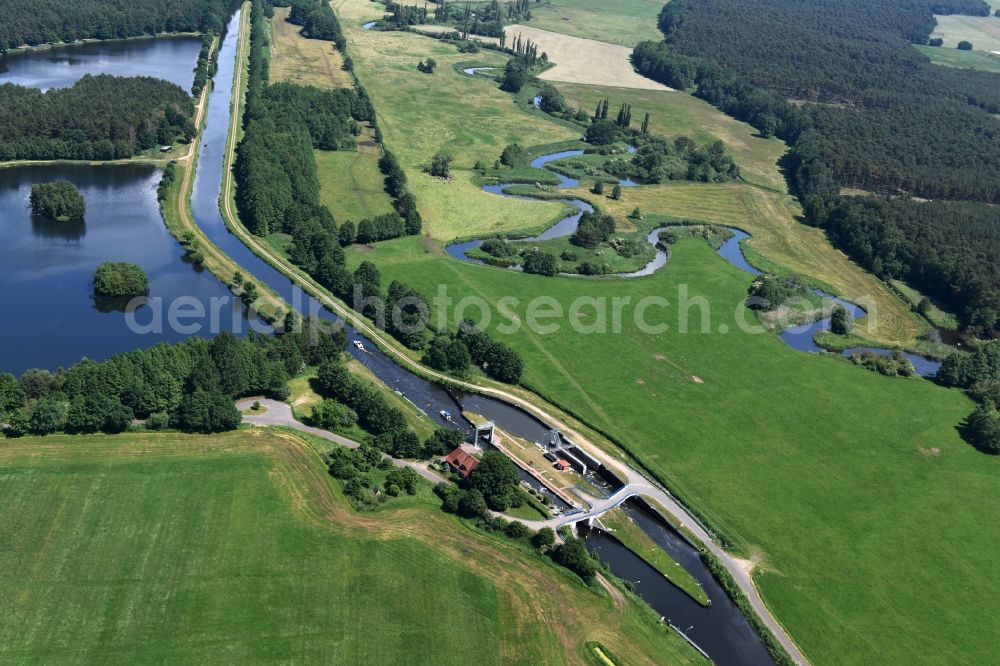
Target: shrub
{"x": 119, "y": 279}
{"x": 59, "y": 201}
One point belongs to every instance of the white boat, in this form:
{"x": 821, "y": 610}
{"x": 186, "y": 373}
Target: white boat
{"x": 360, "y": 345}
{"x": 446, "y": 415}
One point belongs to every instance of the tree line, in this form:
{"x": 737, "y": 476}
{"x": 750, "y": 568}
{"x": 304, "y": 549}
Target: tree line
{"x": 99, "y": 118}
{"x": 878, "y": 116}
{"x": 50, "y": 21}
{"x": 190, "y": 386}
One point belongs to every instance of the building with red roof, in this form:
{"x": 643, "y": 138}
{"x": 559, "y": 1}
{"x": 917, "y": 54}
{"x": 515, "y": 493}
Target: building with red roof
{"x": 462, "y": 462}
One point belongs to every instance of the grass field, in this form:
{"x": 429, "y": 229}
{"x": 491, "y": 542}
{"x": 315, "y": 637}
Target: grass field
{"x": 448, "y": 111}
{"x": 777, "y": 235}
{"x": 952, "y": 57}
{"x": 240, "y": 548}
{"x": 982, "y": 31}
{"x": 833, "y": 476}
{"x": 351, "y": 185}
{"x": 308, "y": 62}
{"x": 625, "y": 22}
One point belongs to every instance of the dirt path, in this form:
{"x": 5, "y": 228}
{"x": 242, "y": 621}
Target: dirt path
{"x": 584, "y": 60}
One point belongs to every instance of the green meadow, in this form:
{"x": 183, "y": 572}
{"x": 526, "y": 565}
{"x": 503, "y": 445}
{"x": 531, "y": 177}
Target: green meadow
{"x": 855, "y": 492}
{"x": 351, "y": 185}
{"x": 239, "y": 548}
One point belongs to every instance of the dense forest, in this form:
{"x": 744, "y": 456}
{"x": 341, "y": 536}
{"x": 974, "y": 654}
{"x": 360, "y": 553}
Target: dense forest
{"x": 45, "y": 21}
{"x": 99, "y": 118}
{"x": 189, "y": 386}
{"x": 861, "y": 108}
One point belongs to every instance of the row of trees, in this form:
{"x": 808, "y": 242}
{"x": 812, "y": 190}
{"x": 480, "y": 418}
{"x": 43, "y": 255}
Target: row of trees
{"x": 927, "y": 133}
{"x": 33, "y": 23}
{"x": 98, "y": 118}
{"x": 190, "y": 385}
{"x": 978, "y": 373}
{"x": 457, "y": 353}
{"x": 207, "y": 64}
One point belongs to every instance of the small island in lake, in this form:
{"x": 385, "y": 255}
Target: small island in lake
{"x": 119, "y": 279}
{"x": 59, "y": 201}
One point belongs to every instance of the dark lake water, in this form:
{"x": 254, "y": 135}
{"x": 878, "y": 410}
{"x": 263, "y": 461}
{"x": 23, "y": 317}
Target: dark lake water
{"x": 169, "y": 58}
{"x": 50, "y": 316}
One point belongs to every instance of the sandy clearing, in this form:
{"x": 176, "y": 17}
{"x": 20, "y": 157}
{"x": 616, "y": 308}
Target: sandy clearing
{"x": 584, "y": 60}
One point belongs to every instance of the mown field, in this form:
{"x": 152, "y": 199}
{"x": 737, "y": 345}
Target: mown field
{"x": 951, "y": 57}
{"x": 855, "y": 490}
{"x": 982, "y": 31}
{"x": 307, "y": 62}
{"x": 239, "y": 548}
{"x": 630, "y": 22}
{"x": 464, "y": 116}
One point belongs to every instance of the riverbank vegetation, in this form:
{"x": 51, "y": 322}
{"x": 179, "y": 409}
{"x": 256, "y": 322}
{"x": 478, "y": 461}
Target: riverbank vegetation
{"x": 120, "y": 280}
{"x": 99, "y": 118}
{"x": 59, "y": 201}
{"x": 263, "y": 499}
{"x": 929, "y": 134}
{"x": 31, "y": 24}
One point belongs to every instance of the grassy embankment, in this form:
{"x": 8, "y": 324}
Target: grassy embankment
{"x": 153, "y": 547}
{"x": 624, "y": 529}
{"x": 177, "y": 216}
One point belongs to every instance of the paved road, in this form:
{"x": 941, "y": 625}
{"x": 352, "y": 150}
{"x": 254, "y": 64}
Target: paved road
{"x": 280, "y": 414}
{"x": 634, "y": 480}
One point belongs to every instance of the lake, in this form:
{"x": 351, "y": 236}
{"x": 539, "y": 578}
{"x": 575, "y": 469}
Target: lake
{"x": 170, "y": 58}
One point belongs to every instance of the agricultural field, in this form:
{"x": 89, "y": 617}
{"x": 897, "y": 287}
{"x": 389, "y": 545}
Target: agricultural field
{"x": 951, "y": 57}
{"x": 624, "y": 22}
{"x": 307, "y": 62}
{"x": 982, "y": 31}
{"x": 239, "y": 547}
{"x": 351, "y": 184}
{"x": 584, "y": 60}
{"x": 830, "y": 475}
